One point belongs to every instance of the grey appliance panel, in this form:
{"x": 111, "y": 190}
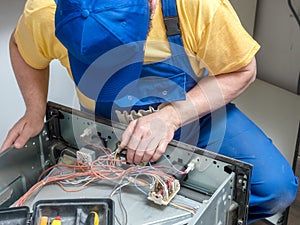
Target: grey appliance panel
{"x": 218, "y": 186}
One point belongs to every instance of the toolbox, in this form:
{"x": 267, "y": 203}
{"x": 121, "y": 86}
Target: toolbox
{"x": 69, "y": 212}
{"x": 17, "y": 215}
{"x": 217, "y": 188}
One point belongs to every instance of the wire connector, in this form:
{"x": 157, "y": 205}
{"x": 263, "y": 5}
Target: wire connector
{"x": 86, "y": 132}
{"x": 85, "y": 155}
{"x": 163, "y": 195}
{"x": 191, "y": 165}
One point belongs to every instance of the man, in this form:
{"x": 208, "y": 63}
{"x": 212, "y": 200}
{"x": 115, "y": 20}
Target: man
{"x": 160, "y": 88}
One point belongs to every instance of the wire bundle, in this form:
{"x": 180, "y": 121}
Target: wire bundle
{"x": 108, "y": 167}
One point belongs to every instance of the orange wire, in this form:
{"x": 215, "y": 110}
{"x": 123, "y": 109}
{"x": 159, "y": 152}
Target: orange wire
{"x": 104, "y": 168}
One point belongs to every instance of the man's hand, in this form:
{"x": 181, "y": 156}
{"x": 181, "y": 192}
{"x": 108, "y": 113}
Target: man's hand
{"x": 33, "y": 84}
{"x": 28, "y": 126}
{"x": 146, "y": 138}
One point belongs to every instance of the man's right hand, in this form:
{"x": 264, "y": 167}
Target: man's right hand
{"x": 28, "y": 126}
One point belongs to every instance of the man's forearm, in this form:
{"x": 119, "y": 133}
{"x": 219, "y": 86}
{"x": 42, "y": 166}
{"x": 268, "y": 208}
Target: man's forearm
{"x": 33, "y": 83}
{"x": 211, "y": 93}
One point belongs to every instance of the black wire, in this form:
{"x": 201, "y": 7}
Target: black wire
{"x": 294, "y": 12}
{"x": 51, "y": 118}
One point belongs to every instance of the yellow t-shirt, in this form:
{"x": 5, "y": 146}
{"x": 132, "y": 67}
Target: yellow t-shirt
{"x": 212, "y": 35}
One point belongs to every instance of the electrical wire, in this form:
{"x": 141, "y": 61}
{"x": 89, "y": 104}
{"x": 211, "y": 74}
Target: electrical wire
{"x": 123, "y": 209}
{"x": 73, "y": 178}
{"x": 172, "y": 165}
{"x": 294, "y": 12}
{"x": 184, "y": 207}
{"x": 117, "y": 188}
{"x": 155, "y": 181}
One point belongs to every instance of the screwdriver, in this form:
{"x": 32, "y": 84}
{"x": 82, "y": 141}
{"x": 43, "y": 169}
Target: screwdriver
{"x": 92, "y": 219}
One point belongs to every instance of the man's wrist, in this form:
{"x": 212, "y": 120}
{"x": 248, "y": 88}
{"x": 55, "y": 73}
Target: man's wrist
{"x": 37, "y": 112}
{"x": 173, "y": 115}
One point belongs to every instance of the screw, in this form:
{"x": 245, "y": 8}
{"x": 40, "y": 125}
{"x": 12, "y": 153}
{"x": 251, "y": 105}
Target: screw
{"x": 47, "y": 163}
{"x": 44, "y": 133}
{"x": 240, "y": 222}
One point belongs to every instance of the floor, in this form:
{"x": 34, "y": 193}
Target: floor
{"x": 294, "y": 212}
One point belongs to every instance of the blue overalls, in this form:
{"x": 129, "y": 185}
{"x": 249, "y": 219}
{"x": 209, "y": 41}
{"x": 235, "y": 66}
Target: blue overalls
{"x": 229, "y": 132}
{"x": 226, "y": 131}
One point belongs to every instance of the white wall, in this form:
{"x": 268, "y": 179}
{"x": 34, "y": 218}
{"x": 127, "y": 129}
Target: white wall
{"x": 246, "y": 10}
{"x": 12, "y": 105}
{"x": 278, "y": 33}
{"x": 275, "y": 28}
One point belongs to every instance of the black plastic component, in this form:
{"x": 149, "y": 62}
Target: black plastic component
{"x": 74, "y": 211}
{"x": 172, "y": 25}
{"x": 70, "y": 211}
{"x": 14, "y": 216}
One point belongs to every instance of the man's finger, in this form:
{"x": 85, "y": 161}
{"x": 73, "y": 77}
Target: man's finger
{"x": 138, "y": 155}
{"x": 160, "y": 150}
{"x": 11, "y": 137}
{"x": 150, "y": 149}
{"x": 8, "y": 142}
{"x": 24, "y": 136}
{"x": 130, "y": 155}
{"x": 148, "y": 154}
{"x": 127, "y": 134}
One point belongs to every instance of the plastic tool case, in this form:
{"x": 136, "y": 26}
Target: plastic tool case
{"x": 217, "y": 187}
{"x": 70, "y": 211}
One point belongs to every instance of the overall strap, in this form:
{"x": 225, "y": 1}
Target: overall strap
{"x": 171, "y": 21}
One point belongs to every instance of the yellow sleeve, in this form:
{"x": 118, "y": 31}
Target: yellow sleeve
{"x": 224, "y": 45}
{"x": 35, "y": 35}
